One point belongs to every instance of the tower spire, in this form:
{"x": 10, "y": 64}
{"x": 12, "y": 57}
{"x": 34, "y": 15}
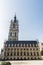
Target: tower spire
{"x": 15, "y": 18}
{"x": 13, "y": 32}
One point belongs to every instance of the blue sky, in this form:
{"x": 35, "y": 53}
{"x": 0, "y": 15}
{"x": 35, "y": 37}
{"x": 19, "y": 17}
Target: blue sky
{"x": 29, "y": 14}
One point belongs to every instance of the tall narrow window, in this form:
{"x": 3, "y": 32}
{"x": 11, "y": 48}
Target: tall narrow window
{"x": 17, "y": 53}
{"x": 24, "y": 53}
{"x": 15, "y": 34}
{"x": 7, "y": 54}
{"x": 27, "y": 53}
{"x": 4, "y": 53}
{"x": 21, "y": 53}
{"x": 34, "y": 53}
{"x": 37, "y": 53}
{"x": 14, "y": 53}
{"x": 10, "y": 33}
{"x": 11, "y": 53}
{"x": 13, "y": 25}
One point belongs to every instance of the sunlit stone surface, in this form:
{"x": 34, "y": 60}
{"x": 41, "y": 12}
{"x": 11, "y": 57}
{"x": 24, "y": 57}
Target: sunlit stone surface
{"x": 30, "y": 62}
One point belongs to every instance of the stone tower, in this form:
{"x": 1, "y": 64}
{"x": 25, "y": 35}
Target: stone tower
{"x": 13, "y": 32}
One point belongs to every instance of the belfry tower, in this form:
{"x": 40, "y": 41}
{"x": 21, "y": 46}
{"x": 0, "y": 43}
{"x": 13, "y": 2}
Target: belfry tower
{"x": 19, "y": 50}
{"x": 13, "y": 32}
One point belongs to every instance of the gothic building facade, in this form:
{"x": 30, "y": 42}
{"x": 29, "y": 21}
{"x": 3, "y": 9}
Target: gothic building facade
{"x": 15, "y": 49}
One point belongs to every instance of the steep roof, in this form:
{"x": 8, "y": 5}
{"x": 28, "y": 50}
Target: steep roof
{"x": 22, "y": 42}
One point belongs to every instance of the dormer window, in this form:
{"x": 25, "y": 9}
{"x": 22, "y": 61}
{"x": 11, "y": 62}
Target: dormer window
{"x": 15, "y": 45}
{"x": 18, "y": 45}
{"x": 30, "y": 45}
{"x": 9, "y": 45}
{"x": 24, "y": 45}
{"x": 33, "y": 45}
{"x": 12, "y": 45}
{"x": 21, "y": 45}
{"x": 27, "y": 45}
{"x": 36, "y": 45}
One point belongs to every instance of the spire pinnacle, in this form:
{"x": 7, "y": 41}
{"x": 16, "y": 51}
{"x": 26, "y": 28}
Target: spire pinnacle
{"x": 15, "y": 18}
